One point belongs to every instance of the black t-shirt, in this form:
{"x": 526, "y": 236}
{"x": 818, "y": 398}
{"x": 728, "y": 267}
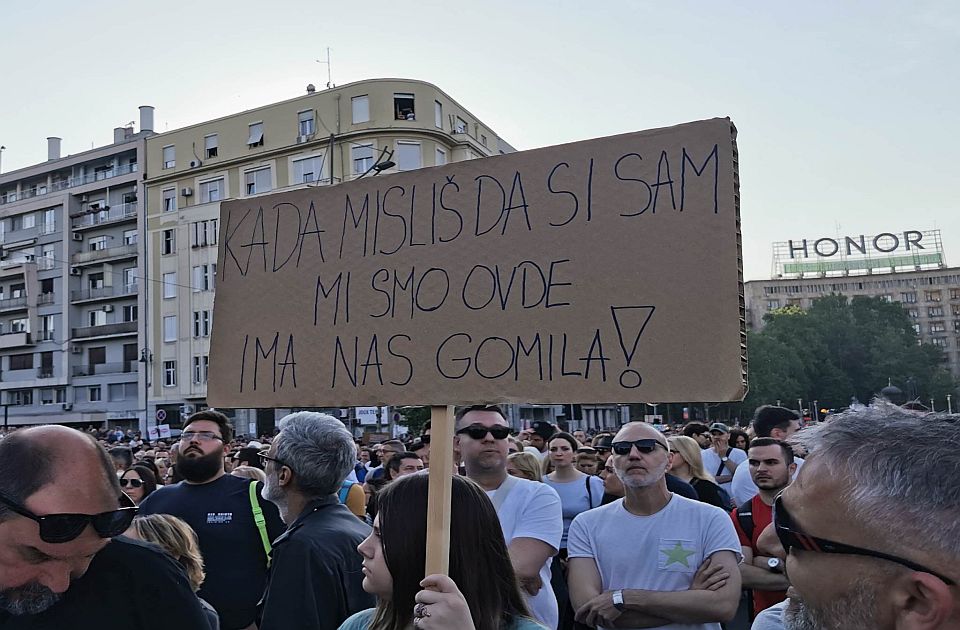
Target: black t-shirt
{"x": 233, "y": 555}
{"x": 710, "y": 493}
{"x": 129, "y": 585}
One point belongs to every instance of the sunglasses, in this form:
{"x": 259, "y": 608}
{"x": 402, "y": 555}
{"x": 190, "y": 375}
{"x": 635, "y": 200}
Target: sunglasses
{"x": 61, "y": 528}
{"x": 645, "y": 446}
{"x": 478, "y": 432}
{"x": 792, "y": 538}
{"x": 133, "y": 483}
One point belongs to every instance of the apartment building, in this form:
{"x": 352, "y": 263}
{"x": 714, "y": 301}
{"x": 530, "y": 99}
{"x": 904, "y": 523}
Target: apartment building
{"x": 317, "y": 139}
{"x": 70, "y": 235}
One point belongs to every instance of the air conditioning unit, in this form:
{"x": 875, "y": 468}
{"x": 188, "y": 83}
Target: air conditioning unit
{"x": 30, "y": 258}
{"x": 76, "y": 271}
{"x": 195, "y": 163}
{"x": 186, "y": 192}
{"x": 302, "y": 139}
{"x": 108, "y": 308}
{"x": 66, "y": 406}
{"x": 77, "y": 236}
{"x": 76, "y": 350}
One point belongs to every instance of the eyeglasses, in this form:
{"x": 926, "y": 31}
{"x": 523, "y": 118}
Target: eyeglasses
{"x": 264, "y": 459}
{"x": 791, "y": 537}
{"x": 133, "y": 483}
{"x": 61, "y": 528}
{"x": 645, "y": 446}
{"x": 200, "y": 436}
{"x": 478, "y": 431}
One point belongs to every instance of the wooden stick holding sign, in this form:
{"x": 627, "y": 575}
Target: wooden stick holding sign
{"x": 441, "y": 482}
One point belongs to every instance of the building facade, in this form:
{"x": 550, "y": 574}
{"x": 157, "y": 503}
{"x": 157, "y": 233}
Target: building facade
{"x": 317, "y": 139}
{"x": 70, "y": 256}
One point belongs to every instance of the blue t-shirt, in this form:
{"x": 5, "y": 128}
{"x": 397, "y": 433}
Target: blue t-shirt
{"x": 575, "y": 498}
{"x": 362, "y": 619}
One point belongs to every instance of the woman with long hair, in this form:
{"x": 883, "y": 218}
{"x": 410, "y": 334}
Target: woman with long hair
{"x": 686, "y": 463}
{"x": 740, "y": 439}
{"x": 138, "y": 482}
{"x": 481, "y": 592}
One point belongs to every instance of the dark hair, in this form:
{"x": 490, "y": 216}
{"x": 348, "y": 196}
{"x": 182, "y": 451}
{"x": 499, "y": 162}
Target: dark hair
{"x": 124, "y": 454}
{"x": 426, "y": 427}
{"x": 695, "y": 428}
{"x": 149, "y": 463}
{"x": 479, "y": 562}
{"x": 462, "y": 411}
{"x": 394, "y": 444}
{"x": 736, "y": 433}
{"x": 784, "y": 447}
{"x": 770, "y": 417}
{"x": 149, "y": 479}
{"x": 223, "y": 422}
{"x": 394, "y": 464}
{"x": 563, "y": 435}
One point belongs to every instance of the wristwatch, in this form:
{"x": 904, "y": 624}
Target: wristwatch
{"x": 775, "y": 565}
{"x": 618, "y": 600}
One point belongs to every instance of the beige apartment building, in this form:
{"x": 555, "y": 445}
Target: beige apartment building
{"x": 319, "y": 138}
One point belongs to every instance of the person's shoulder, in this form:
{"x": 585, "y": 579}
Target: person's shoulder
{"x": 738, "y": 454}
{"x": 601, "y": 513}
{"x": 358, "y": 621}
{"x": 688, "y": 506}
{"x": 123, "y": 553}
{"x": 525, "y": 623}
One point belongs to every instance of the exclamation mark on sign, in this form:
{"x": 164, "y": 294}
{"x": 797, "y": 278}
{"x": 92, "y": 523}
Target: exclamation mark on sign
{"x": 630, "y": 322}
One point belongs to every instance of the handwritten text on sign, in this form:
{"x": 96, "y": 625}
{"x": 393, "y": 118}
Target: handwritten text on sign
{"x": 605, "y": 270}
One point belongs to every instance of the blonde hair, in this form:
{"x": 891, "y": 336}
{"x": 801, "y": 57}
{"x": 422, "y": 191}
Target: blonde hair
{"x": 249, "y": 472}
{"x": 176, "y": 538}
{"x": 689, "y": 450}
{"x": 527, "y": 463}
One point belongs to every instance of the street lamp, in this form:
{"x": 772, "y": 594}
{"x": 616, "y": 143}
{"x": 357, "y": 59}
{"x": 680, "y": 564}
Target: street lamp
{"x": 2, "y": 149}
{"x": 932, "y": 408}
{"x": 949, "y": 406}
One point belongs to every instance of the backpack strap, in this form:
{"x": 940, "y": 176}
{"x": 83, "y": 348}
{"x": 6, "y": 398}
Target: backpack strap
{"x": 260, "y": 520}
{"x": 589, "y": 491}
{"x": 722, "y": 465}
{"x": 745, "y": 518}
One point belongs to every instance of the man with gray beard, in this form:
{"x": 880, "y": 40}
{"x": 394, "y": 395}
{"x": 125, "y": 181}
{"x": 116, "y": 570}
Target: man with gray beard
{"x": 870, "y": 529}
{"x": 315, "y": 580}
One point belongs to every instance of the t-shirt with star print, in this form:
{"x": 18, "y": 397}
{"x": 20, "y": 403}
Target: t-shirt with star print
{"x": 659, "y": 552}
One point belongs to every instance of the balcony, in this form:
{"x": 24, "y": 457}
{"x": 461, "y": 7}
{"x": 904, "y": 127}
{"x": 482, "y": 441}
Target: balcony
{"x": 13, "y": 304}
{"x": 102, "y": 293}
{"x": 97, "y": 369}
{"x": 45, "y": 372}
{"x": 21, "y": 235}
{"x": 98, "y": 255}
{"x": 15, "y": 340}
{"x": 123, "y": 328}
{"x": 72, "y": 182}
{"x": 45, "y": 298}
{"x": 45, "y": 335}
{"x": 115, "y": 214}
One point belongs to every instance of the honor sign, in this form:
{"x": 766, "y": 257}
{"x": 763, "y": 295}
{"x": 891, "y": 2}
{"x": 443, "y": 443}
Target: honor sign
{"x": 887, "y": 251}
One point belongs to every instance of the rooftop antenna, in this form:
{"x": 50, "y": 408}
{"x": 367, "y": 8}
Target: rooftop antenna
{"x": 329, "y": 78}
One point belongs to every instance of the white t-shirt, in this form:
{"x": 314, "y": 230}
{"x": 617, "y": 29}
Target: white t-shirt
{"x": 660, "y": 552}
{"x": 533, "y": 510}
{"x": 742, "y": 488}
{"x": 711, "y": 463}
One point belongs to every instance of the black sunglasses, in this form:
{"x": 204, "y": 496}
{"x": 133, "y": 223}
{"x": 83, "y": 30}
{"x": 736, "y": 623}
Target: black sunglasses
{"x": 645, "y": 446}
{"x": 61, "y": 528}
{"x": 134, "y": 483}
{"x": 790, "y": 538}
{"x": 478, "y": 432}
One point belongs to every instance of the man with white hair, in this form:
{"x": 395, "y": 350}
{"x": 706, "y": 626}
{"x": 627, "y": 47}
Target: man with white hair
{"x": 316, "y": 577}
{"x": 870, "y": 527}
{"x": 645, "y": 560}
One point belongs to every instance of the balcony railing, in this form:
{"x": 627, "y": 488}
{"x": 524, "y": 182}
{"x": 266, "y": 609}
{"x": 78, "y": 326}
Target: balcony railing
{"x": 105, "y": 329}
{"x": 72, "y": 182}
{"x": 45, "y": 298}
{"x": 95, "y": 369}
{"x": 15, "y": 340}
{"x": 13, "y": 303}
{"x": 101, "y": 254}
{"x": 45, "y": 372}
{"x": 45, "y": 335}
{"x": 103, "y": 292}
{"x": 123, "y": 212}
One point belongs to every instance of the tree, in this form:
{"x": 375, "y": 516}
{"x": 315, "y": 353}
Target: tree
{"x": 840, "y": 349}
{"x": 414, "y": 418}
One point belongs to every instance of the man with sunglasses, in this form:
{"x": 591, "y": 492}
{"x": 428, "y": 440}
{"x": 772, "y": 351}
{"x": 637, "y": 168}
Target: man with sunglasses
{"x": 530, "y": 513}
{"x": 640, "y": 562}
{"x": 220, "y": 509}
{"x": 63, "y": 561}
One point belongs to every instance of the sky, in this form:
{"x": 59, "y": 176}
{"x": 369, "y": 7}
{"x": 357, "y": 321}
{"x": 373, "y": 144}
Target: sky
{"x": 845, "y": 110}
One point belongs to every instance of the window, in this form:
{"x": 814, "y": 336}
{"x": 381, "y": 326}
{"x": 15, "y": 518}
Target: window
{"x": 305, "y": 125}
{"x": 403, "y": 108}
{"x": 408, "y": 156}
{"x": 204, "y": 233}
{"x": 96, "y": 318}
{"x": 28, "y": 221}
{"x": 202, "y": 280}
{"x": 362, "y": 158}
{"x": 441, "y": 158}
{"x": 255, "y": 139}
{"x": 773, "y": 305}
{"x": 21, "y": 361}
{"x": 52, "y": 396}
{"x": 169, "y": 373}
{"x": 933, "y": 296}
{"x": 307, "y": 170}
{"x": 955, "y": 294}
{"x": 211, "y": 145}
{"x": 130, "y": 279}
{"x": 170, "y": 328}
{"x": 909, "y": 298}
{"x": 916, "y": 328}
{"x": 93, "y": 393}
{"x": 461, "y": 126}
{"x": 940, "y": 342}
{"x": 913, "y": 313}
{"x": 438, "y": 114}
{"x": 21, "y": 325}
{"x": 956, "y": 310}
{"x": 170, "y": 285}
{"x": 169, "y": 156}
{"x": 95, "y": 280}
{"x": 49, "y": 221}
{"x": 200, "y": 365}
{"x": 20, "y": 397}
{"x": 97, "y": 243}
{"x": 169, "y": 199}
{"x": 130, "y": 313}
{"x": 361, "y": 109}
{"x": 129, "y": 237}
{"x": 258, "y": 181}
{"x": 935, "y": 311}
{"x": 937, "y": 327}
{"x": 169, "y": 242}
{"x": 201, "y": 323}
{"x": 46, "y": 328}
{"x": 211, "y": 191}
{"x": 483, "y": 140}
{"x": 18, "y": 290}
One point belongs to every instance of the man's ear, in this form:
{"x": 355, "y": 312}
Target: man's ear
{"x": 226, "y": 449}
{"x": 921, "y": 602}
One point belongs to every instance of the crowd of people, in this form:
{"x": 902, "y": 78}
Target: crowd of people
{"x": 843, "y": 524}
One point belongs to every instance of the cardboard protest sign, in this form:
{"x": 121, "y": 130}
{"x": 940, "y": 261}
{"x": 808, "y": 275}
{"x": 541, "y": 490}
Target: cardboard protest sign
{"x": 607, "y": 270}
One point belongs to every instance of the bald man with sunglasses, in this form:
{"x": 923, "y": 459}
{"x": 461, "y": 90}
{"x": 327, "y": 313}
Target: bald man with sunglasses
{"x": 63, "y": 561}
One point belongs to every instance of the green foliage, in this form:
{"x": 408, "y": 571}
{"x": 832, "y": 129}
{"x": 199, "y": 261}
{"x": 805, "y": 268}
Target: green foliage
{"x": 414, "y": 418}
{"x": 838, "y": 349}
